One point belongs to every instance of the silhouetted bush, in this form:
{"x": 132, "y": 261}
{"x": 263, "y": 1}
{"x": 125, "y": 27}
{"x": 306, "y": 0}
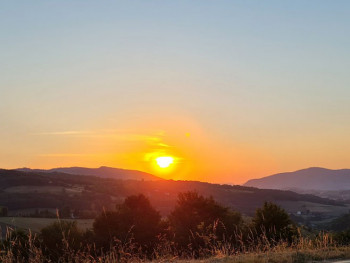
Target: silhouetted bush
{"x": 273, "y": 223}
{"x": 197, "y": 222}
{"x": 135, "y": 219}
{"x": 61, "y": 236}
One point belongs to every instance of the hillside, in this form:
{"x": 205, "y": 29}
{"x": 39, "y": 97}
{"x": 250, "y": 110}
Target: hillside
{"x": 25, "y": 193}
{"x": 103, "y": 171}
{"x": 318, "y": 179}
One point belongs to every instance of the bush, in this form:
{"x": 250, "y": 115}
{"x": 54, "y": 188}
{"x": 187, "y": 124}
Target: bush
{"x": 135, "y": 219}
{"x": 61, "y": 236}
{"x": 196, "y": 219}
{"x": 273, "y": 222}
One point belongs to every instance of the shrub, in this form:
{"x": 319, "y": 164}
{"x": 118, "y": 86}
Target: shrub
{"x": 197, "y": 221}
{"x": 273, "y": 223}
{"x": 135, "y": 219}
{"x": 61, "y": 236}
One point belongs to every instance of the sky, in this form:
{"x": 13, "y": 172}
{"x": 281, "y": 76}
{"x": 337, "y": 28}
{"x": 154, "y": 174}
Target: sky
{"x": 233, "y": 90}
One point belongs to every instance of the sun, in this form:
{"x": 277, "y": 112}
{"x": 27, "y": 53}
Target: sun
{"x": 164, "y": 161}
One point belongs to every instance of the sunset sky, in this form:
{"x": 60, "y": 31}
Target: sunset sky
{"x": 232, "y": 90}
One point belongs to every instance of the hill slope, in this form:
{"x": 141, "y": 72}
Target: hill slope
{"x": 25, "y": 192}
{"x": 103, "y": 171}
{"x": 314, "y": 178}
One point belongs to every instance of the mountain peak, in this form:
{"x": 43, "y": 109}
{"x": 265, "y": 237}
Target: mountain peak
{"x": 312, "y": 178}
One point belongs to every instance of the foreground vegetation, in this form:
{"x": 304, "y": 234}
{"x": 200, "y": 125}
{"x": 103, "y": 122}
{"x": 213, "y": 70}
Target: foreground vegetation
{"x": 283, "y": 255}
{"x": 304, "y": 251}
{"x": 198, "y": 228}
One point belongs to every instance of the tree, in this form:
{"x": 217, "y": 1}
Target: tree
{"x": 273, "y": 222}
{"x": 135, "y": 218}
{"x": 195, "y": 216}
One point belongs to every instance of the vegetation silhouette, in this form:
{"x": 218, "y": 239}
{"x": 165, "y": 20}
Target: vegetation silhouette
{"x": 198, "y": 227}
{"x": 274, "y": 222}
{"x": 135, "y": 219}
{"x": 196, "y": 216}
{"x": 59, "y": 236}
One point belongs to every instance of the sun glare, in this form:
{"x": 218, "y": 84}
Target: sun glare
{"x": 164, "y": 161}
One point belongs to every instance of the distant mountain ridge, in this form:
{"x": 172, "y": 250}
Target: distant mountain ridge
{"x": 314, "y": 178}
{"x": 103, "y": 171}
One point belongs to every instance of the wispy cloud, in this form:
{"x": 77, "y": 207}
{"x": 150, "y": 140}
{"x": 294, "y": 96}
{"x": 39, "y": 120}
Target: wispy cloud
{"x": 65, "y": 133}
{"x": 66, "y": 154}
{"x": 115, "y": 134}
{"x": 154, "y": 139}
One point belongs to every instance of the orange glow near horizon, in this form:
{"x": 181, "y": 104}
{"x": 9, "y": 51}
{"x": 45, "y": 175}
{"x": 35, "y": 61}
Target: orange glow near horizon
{"x": 197, "y": 153}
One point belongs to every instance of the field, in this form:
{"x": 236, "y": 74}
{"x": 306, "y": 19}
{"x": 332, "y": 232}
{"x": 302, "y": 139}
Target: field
{"x": 315, "y": 214}
{"x": 36, "y": 224}
{"x": 303, "y": 206}
{"x": 29, "y": 189}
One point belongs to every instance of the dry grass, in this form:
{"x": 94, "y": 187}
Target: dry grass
{"x": 286, "y": 256}
{"x": 320, "y": 248}
{"x": 259, "y": 250}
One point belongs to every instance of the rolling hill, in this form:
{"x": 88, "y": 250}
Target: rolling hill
{"x": 40, "y": 193}
{"x": 103, "y": 171}
{"x": 317, "y": 179}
